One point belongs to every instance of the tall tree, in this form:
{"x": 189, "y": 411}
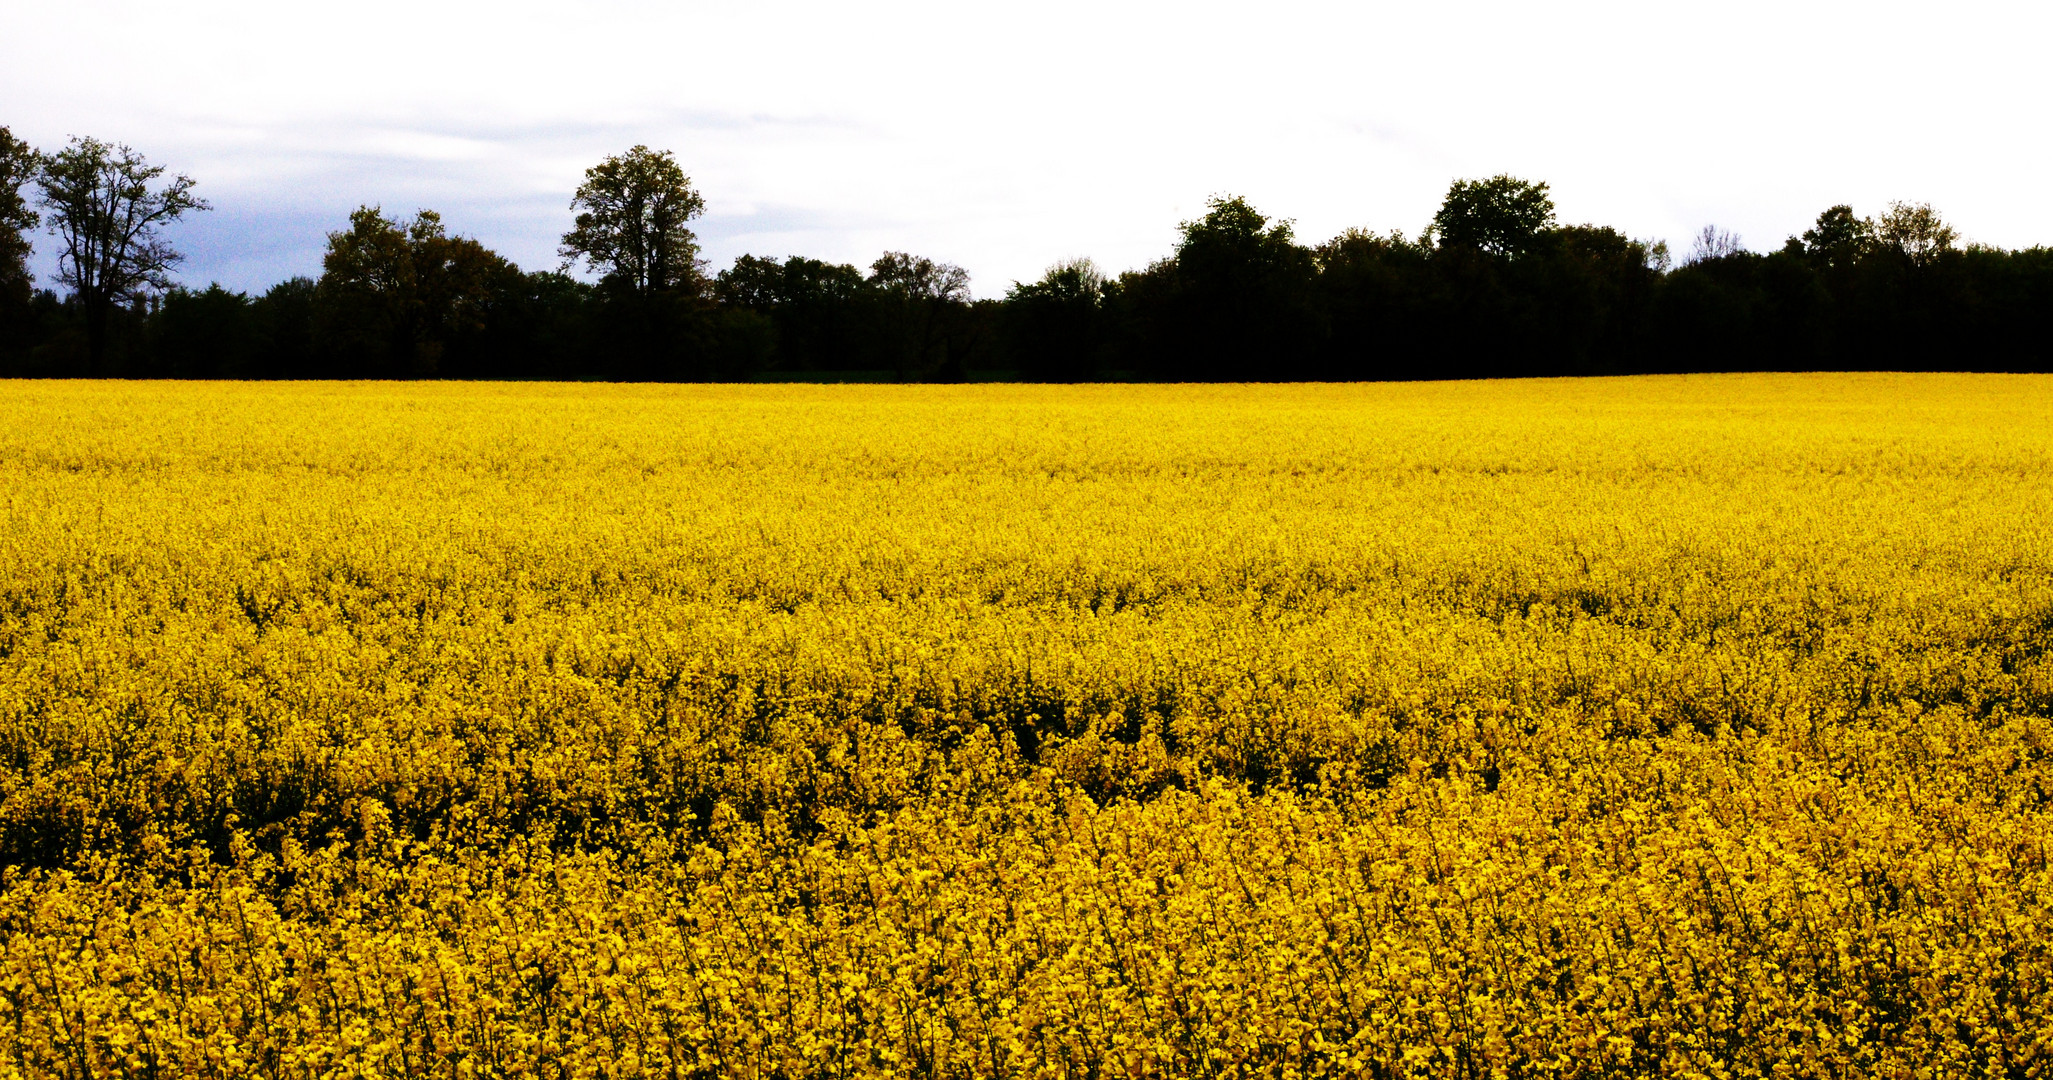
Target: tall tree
{"x": 821, "y": 310}
{"x": 754, "y": 282}
{"x": 632, "y": 223}
{"x": 18, "y": 165}
{"x": 1235, "y": 302}
{"x": 108, "y": 209}
{"x": 917, "y": 296}
{"x": 1915, "y": 231}
{"x": 1054, "y": 328}
{"x": 1838, "y": 240}
{"x": 1501, "y": 215}
{"x": 394, "y": 297}
{"x": 1376, "y": 292}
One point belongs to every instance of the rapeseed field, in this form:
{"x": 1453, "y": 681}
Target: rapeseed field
{"x": 1691, "y": 727}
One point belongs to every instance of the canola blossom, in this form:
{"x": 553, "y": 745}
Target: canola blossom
{"x": 1692, "y": 727}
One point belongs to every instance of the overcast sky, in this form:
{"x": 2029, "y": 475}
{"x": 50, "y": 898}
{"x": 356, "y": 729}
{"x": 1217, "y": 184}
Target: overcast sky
{"x": 1007, "y": 136}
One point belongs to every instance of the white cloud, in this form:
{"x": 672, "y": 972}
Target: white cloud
{"x": 1005, "y": 137}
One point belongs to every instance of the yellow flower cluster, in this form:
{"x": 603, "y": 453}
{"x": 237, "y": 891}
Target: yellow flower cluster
{"x": 1695, "y": 727}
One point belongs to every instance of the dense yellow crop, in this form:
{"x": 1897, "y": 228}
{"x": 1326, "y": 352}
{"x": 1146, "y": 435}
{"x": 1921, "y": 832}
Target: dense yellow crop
{"x": 1693, "y": 727}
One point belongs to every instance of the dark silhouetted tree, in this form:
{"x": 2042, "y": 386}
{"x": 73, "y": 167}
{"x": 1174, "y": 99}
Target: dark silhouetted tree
{"x": 822, "y": 311}
{"x": 207, "y": 334}
{"x": 633, "y": 225}
{"x": 1501, "y": 215}
{"x": 285, "y": 330}
{"x": 1487, "y": 291}
{"x": 1916, "y": 296}
{"x": 1378, "y": 296}
{"x": 393, "y": 299}
{"x": 1054, "y": 328}
{"x": 1914, "y": 231}
{"x": 1713, "y": 242}
{"x": 19, "y": 164}
{"x": 1838, "y": 240}
{"x": 107, "y": 208}
{"x": 1234, "y": 302}
{"x": 633, "y": 229}
{"x": 1593, "y": 284}
{"x": 919, "y": 303}
{"x": 754, "y": 282}
{"x": 539, "y": 325}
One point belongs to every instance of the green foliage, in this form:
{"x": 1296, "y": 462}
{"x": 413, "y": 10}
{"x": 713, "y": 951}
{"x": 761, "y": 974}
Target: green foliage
{"x": 1056, "y": 327}
{"x": 1233, "y": 239}
{"x": 1838, "y": 239}
{"x": 915, "y": 277}
{"x": 1914, "y": 231}
{"x": 1501, "y": 215}
{"x": 1493, "y": 287}
{"x": 753, "y": 282}
{"x": 819, "y": 308}
{"x": 1233, "y": 302}
{"x": 393, "y": 297}
{"x": 19, "y": 163}
{"x": 108, "y": 211}
{"x": 207, "y": 334}
{"x": 916, "y": 298}
{"x": 632, "y": 223}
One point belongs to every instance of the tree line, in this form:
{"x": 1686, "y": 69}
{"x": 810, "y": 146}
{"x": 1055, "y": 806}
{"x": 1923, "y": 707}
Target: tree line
{"x": 1493, "y": 286}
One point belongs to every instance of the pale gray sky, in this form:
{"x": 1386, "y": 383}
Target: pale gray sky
{"x": 1007, "y": 136}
